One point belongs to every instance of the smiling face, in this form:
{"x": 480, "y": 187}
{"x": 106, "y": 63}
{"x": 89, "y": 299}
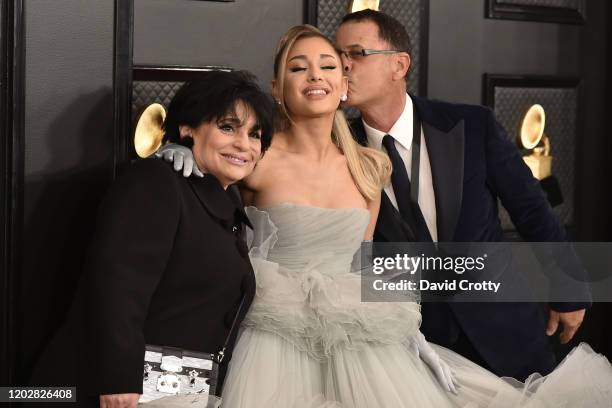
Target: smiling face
{"x": 370, "y": 77}
{"x": 313, "y": 82}
{"x": 228, "y": 148}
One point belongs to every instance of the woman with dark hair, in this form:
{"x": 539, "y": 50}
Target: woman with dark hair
{"x": 167, "y": 269}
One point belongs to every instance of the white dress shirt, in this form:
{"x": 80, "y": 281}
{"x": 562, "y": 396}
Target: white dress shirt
{"x": 401, "y": 131}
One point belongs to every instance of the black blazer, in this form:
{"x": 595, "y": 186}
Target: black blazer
{"x": 168, "y": 266}
{"x": 473, "y": 164}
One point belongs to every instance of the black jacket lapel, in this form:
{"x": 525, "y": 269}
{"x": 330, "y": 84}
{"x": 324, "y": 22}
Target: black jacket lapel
{"x": 219, "y": 203}
{"x": 446, "y": 157}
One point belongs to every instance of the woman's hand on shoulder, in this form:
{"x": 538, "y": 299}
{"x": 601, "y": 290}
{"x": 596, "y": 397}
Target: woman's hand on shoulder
{"x": 181, "y": 157}
{"x": 119, "y": 400}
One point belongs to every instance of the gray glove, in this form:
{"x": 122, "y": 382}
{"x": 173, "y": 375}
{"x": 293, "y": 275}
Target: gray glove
{"x": 441, "y": 370}
{"x": 182, "y": 157}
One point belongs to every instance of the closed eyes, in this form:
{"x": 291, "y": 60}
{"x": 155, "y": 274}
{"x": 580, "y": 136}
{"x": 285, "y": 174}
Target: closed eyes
{"x": 326, "y": 67}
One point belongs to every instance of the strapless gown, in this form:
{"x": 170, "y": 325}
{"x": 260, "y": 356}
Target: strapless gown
{"x": 309, "y": 342}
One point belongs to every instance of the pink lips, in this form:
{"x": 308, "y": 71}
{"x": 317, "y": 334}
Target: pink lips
{"x": 316, "y": 92}
{"x": 235, "y": 159}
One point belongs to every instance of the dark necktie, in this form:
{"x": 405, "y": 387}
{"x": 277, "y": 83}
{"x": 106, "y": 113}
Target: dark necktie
{"x": 409, "y": 210}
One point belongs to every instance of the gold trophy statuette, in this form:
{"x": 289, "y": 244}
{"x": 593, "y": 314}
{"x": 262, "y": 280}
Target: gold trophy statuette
{"x": 532, "y": 137}
{"x": 358, "y": 5}
{"x": 148, "y": 134}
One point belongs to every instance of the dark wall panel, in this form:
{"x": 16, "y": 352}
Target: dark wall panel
{"x": 242, "y": 34}
{"x": 463, "y": 45}
{"x": 11, "y": 182}
{"x": 561, "y": 107}
{"x": 413, "y": 14}
{"x": 68, "y": 155}
{"x": 593, "y": 155}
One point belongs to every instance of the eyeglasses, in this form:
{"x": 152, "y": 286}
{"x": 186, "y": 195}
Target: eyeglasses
{"x": 358, "y": 53}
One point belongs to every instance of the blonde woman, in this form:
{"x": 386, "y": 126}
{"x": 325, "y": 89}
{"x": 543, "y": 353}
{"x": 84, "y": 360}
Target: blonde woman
{"x": 320, "y": 192}
{"x": 308, "y": 340}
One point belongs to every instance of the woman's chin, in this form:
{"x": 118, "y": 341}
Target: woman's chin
{"x": 234, "y": 175}
{"x": 316, "y": 113}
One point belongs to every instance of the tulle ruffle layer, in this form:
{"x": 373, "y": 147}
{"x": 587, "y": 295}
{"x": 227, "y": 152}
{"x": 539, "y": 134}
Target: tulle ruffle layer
{"x": 309, "y": 342}
{"x": 313, "y": 308}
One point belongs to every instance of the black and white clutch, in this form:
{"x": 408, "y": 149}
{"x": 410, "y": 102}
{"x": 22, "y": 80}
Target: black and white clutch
{"x": 170, "y": 371}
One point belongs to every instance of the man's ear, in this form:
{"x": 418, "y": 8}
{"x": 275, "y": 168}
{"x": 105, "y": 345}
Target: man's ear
{"x": 185, "y": 131}
{"x": 402, "y": 65}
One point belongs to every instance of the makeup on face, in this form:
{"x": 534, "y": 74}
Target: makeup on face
{"x": 230, "y": 147}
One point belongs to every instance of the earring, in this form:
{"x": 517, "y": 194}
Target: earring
{"x": 278, "y": 102}
{"x": 343, "y": 98}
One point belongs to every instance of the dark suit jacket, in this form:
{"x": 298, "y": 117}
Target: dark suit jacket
{"x": 473, "y": 164}
{"x": 168, "y": 266}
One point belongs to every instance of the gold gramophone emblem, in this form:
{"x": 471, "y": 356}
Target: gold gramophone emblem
{"x": 532, "y": 137}
{"x": 358, "y": 5}
{"x": 148, "y": 134}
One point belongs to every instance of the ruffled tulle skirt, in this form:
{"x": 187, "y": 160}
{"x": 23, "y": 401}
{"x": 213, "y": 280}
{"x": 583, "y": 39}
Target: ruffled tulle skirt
{"x": 310, "y": 342}
{"x": 269, "y": 371}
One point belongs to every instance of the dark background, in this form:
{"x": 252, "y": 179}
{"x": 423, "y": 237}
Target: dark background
{"x": 59, "y": 153}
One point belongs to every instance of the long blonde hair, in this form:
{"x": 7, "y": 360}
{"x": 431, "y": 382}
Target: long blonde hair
{"x": 369, "y": 168}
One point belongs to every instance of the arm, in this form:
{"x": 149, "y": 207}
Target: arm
{"x": 135, "y": 234}
{"x": 440, "y": 368}
{"x": 521, "y": 194}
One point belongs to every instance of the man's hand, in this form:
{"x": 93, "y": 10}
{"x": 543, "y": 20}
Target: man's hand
{"x": 119, "y": 400}
{"x": 182, "y": 158}
{"x": 571, "y": 321}
{"x": 429, "y": 356}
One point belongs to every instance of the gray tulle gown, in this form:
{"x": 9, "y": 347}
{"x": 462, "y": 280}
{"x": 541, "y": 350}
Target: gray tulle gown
{"x": 308, "y": 340}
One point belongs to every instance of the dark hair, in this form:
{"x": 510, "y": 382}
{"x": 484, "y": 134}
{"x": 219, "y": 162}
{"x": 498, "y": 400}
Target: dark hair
{"x": 389, "y": 29}
{"x": 213, "y": 96}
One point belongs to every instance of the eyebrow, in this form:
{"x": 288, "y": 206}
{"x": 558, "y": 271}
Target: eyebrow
{"x": 234, "y": 120}
{"x": 303, "y": 57}
{"x": 355, "y": 46}
{"x": 231, "y": 119}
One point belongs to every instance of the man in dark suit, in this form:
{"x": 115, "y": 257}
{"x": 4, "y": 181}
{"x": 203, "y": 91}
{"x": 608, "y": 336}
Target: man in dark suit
{"x": 463, "y": 164}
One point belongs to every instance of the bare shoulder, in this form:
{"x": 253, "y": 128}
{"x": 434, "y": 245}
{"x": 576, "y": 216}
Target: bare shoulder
{"x": 264, "y": 170}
